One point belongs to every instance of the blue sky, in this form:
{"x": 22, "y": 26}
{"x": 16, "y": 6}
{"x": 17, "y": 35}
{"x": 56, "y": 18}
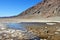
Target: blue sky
{"x": 14, "y": 7}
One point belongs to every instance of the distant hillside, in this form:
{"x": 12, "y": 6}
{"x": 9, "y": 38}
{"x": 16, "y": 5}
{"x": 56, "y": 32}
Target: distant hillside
{"x": 45, "y": 9}
{"x": 48, "y": 8}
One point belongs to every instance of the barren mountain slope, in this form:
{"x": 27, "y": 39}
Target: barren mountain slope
{"x": 46, "y": 9}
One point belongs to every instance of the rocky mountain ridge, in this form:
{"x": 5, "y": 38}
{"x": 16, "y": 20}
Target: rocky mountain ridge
{"x": 47, "y": 8}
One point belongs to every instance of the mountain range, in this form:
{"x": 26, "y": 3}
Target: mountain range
{"x": 48, "y": 10}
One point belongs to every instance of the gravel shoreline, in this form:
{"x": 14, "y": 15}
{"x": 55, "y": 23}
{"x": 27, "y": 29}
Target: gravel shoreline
{"x": 12, "y": 34}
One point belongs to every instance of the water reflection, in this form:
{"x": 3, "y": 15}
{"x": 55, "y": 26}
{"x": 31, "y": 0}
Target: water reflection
{"x": 22, "y": 30}
{"x": 21, "y": 26}
{"x": 30, "y": 31}
{"x": 16, "y": 26}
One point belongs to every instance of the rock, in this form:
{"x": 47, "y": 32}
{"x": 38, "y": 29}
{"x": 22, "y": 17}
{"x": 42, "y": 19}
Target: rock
{"x": 0, "y": 37}
{"x": 57, "y": 33}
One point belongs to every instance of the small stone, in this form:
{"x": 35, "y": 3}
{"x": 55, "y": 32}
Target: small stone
{"x": 11, "y": 39}
{"x": 2, "y": 28}
{"x": 41, "y": 39}
{"x": 56, "y": 32}
{"x": 12, "y": 31}
{"x": 4, "y": 34}
{"x": 45, "y": 39}
{"x": 13, "y": 35}
{"x": 45, "y": 27}
{"x": 0, "y": 37}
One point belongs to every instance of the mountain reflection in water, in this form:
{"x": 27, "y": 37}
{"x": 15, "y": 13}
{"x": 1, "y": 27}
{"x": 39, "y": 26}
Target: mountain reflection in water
{"x": 16, "y": 26}
{"x": 21, "y": 26}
